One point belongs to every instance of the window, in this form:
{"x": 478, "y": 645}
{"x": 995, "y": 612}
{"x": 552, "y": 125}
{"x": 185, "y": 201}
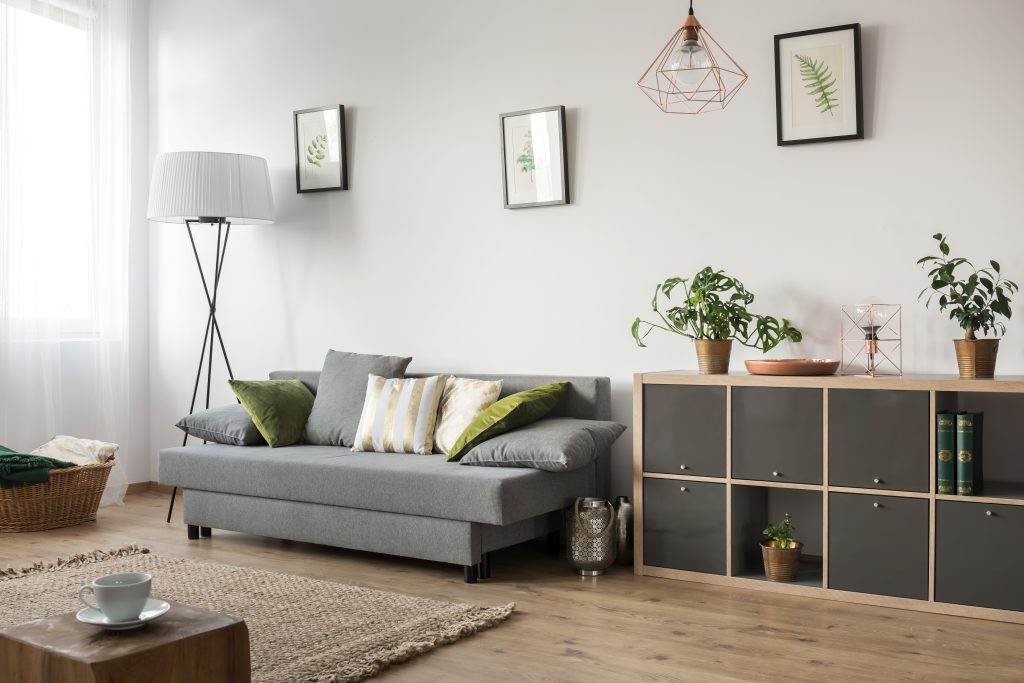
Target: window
{"x": 48, "y": 232}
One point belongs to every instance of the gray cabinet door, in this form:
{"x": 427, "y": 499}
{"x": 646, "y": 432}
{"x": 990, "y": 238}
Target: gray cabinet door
{"x": 878, "y": 544}
{"x": 777, "y": 434}
{"x": 978, "y": 555}
{"x": 684, "y": 430}
{"x": 684, "y": 525}
{"x": 878, "y": 439}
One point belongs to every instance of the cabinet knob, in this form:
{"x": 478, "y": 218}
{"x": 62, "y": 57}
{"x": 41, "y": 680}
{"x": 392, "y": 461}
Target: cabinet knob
{"x": 683, "y": 489}
{"x": 682, "y": 467}
{"x": 775, "y": 474}
{"x": 988, "y": 513}
{"x": 876, "y": 504}
{"x": 877, "y": 480}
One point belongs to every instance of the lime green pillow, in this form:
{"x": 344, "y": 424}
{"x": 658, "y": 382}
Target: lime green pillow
{"x": 507, "y": 414}
{"x": 279, "y": 407}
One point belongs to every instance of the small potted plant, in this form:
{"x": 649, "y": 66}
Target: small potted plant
{"x": 713, "y": 314}
{"x": 781, "y": 552}
{"x": 976, "y": 302}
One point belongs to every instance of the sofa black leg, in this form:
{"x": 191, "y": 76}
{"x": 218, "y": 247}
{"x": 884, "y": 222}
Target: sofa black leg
{"x": 553, "y": 544}
{"x": 471, "y": 573}
{"x": 193, "y": 532}
{"x": 205, "y": 531}
{"x": 485, "y": 566}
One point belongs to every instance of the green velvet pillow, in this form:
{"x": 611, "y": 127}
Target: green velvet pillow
{"x": 508, "y": 414}
{"x": 279, "y": 407}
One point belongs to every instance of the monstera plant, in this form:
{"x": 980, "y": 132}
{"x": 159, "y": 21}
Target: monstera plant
{"x": 713, "y": 312}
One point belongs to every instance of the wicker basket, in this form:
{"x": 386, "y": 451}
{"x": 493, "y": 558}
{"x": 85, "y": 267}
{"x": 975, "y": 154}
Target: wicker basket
{"x": 72, "y": 497}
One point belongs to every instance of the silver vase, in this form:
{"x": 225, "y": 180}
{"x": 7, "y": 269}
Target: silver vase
{"x": 591, "y": 540}
{"x": 623, "y": 530}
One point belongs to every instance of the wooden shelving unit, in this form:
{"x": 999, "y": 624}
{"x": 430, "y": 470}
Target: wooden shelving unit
{"x": 726, "y": 453}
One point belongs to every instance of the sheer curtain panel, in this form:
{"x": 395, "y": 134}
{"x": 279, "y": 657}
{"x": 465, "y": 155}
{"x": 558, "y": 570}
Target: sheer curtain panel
{"x": 64, "y": 223}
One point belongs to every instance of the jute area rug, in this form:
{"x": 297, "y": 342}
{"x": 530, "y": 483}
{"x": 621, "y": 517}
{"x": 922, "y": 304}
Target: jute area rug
{"x": 300, "y": 629}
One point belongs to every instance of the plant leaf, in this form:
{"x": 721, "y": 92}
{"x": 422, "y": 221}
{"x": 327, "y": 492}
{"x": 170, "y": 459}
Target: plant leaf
{"x": 819, "y": 83}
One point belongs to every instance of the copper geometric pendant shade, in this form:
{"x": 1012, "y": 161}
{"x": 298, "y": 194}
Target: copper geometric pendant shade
{"x": 693, "y": 74}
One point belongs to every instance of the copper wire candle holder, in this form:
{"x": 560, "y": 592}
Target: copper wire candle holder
{"x": 871, "y": 340}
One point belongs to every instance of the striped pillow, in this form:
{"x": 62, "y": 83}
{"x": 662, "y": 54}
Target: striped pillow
{"x": 463, "y": 400}
{"x": 399, "y": 415}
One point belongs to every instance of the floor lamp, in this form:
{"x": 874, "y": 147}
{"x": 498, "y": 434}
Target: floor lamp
{"x": 211, "y": 188}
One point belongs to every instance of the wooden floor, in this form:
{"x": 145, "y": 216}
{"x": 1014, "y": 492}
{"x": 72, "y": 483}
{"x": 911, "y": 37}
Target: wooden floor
{"x": 614, "y": 628}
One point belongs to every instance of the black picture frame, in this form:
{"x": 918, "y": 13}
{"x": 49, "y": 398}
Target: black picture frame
{"x": 857, "y": 80}
{"x": 562, "y": 146}
{"x": 342, "y": 182}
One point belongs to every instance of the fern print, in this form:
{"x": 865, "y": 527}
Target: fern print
{"x": 317, "y": 150}
{"x": 526, "y": 158}
{"x": 820, "y": 83}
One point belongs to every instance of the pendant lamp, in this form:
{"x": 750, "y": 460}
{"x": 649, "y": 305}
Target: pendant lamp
{"x": 692, "y": 74}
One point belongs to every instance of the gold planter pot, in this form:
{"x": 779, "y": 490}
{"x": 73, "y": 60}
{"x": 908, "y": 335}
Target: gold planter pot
{"x": 976, "y": 358}
{"x": 781, "y": 564}
{"x": 713, "y": 356}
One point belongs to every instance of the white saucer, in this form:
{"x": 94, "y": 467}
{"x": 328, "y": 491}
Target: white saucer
{"x": 154, "y": 610}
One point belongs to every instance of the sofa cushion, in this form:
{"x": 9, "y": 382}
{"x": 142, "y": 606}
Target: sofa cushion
{"x": 399, "y": 415}
{"x": 464, "y": 399}
{"x": 229, "y": 424}
{"x": 415, "y": 485}
{"x": 278, "y": 407}
{"x": 556, "y": 444}
{"x": 340, "y": 392}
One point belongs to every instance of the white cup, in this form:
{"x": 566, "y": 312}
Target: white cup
{"x": 121, "y": 597}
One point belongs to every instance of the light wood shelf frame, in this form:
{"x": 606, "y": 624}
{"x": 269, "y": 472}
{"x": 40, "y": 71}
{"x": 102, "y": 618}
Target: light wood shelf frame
{"x": 933, "y": 384}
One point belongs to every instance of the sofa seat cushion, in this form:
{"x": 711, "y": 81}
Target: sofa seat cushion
{"x": 423, "y": 485}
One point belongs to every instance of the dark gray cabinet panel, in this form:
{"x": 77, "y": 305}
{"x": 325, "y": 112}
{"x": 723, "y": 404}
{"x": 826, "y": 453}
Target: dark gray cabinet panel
{"x": 979, "y": 554}
{"x": 777, "y": 434}
{"x": 878, "y": 439}
{"x": 684, "y": 430}
{"x": 684, "y": 529}
{"x": 878, "y": 544}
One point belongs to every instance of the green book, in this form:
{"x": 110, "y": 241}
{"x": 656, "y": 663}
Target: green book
{"x": 945, "y": 444}
{"x": 969, "y": 480}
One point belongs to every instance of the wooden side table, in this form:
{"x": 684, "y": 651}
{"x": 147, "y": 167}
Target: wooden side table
{"x": 185, "y": 645}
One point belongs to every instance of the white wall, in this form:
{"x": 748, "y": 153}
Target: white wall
{"x": 420, "y": 258}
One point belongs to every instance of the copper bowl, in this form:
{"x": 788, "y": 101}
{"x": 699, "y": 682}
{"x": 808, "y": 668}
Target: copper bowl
{"x": 792, "y": 366}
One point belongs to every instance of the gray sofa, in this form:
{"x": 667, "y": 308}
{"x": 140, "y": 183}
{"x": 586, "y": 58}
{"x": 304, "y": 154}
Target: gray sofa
{"x": 411, "y": 505}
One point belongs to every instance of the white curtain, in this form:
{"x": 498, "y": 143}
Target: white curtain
{"x": 64, "y": 223}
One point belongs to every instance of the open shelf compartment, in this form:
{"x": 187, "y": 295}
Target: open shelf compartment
{"x": 1002, "y": 449}
{"x": 753, "y": 507}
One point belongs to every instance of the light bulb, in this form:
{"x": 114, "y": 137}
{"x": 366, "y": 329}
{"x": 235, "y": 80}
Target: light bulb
{"x": 688, "y": 65}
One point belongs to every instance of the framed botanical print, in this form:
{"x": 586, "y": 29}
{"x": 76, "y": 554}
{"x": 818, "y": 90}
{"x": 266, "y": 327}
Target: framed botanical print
{"x": 818, "y": 85}
{"x": 535, "y": 166}
{"x": 320, "y": 162}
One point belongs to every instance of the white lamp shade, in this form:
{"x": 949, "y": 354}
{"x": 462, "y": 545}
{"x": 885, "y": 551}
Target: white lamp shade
{"x": 191, "y": 185}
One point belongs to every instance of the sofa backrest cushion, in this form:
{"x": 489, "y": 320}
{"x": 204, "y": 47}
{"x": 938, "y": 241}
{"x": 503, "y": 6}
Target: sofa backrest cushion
{"x": 588, "y": 398}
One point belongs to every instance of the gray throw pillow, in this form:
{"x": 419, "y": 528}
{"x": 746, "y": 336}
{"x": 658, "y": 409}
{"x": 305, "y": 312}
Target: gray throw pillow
{"x": 557, "y": 444}
{"x": 230, "y": 425}
{"x": 341, "y": 392}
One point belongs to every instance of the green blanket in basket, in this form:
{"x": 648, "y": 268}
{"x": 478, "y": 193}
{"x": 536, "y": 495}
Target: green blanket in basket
{"x": 18, "y": 469}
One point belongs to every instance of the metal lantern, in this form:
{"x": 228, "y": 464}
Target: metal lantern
{"x": 591, "y": 539}
{"x": 871, "y": 340}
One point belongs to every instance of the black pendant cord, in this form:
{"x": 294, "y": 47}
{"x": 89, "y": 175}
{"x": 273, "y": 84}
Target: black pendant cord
{"x": 212, "y": 327}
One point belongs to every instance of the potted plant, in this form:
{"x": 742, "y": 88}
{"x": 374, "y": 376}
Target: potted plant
{"x": 781, "y": 552}
{"x": 976, "y": 302}
{"x": 713, "y": 314}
